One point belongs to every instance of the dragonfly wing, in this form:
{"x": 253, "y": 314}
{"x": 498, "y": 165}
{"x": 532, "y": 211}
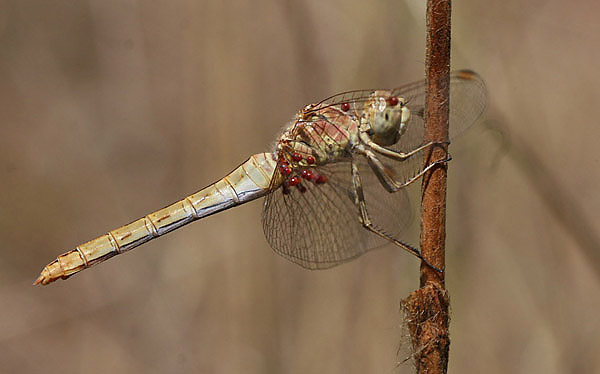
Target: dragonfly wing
{"x": 320, "y": 228}
{"x": 468, "y": 100}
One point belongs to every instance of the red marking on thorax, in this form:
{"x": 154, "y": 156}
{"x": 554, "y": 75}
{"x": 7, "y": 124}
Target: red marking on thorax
{"x": 336, "y": 131}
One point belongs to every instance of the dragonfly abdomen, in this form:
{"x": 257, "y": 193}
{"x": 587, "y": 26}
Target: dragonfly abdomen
{"x": 249, "y": 181}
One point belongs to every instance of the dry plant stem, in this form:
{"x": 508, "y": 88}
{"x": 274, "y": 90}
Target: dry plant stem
{"x": 426, "y": 316}
{"x": 428, "y": 307}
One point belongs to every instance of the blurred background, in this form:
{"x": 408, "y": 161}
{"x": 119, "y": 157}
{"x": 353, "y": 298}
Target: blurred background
{"x": 112, "y": 109}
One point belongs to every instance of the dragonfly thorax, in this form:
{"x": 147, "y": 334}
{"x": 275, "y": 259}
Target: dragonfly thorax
{"x": 385, "y": 118}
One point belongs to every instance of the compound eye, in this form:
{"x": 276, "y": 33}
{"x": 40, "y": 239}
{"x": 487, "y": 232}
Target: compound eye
{"x": 393, "y": 101}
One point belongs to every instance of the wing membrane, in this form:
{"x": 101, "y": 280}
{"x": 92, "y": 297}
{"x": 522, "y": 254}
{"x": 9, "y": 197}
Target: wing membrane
{"x": 320, "y": 228}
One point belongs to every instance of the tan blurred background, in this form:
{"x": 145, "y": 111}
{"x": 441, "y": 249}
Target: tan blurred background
{"x": 112, "y": 109}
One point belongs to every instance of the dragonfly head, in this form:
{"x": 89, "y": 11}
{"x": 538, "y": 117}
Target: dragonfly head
{"x": 385, "y": 116}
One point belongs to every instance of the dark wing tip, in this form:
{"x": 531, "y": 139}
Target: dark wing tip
{"x": 467, "y": 75}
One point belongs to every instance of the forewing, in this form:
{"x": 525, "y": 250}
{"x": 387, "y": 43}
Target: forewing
{"x": 468, "y": 100}
{"x": 357, "y": 97}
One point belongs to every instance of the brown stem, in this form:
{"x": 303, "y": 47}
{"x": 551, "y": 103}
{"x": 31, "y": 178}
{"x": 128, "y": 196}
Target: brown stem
{"x": 427, "y": 308}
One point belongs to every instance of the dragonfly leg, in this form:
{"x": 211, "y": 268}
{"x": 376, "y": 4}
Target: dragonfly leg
{"x": 395, "y": 155}
{"x": 363, "y": 217}
{"x": 387, "y": 179}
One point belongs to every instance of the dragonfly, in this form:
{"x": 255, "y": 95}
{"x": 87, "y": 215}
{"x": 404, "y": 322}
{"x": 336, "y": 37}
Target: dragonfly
{"x": 334, "y": 184}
